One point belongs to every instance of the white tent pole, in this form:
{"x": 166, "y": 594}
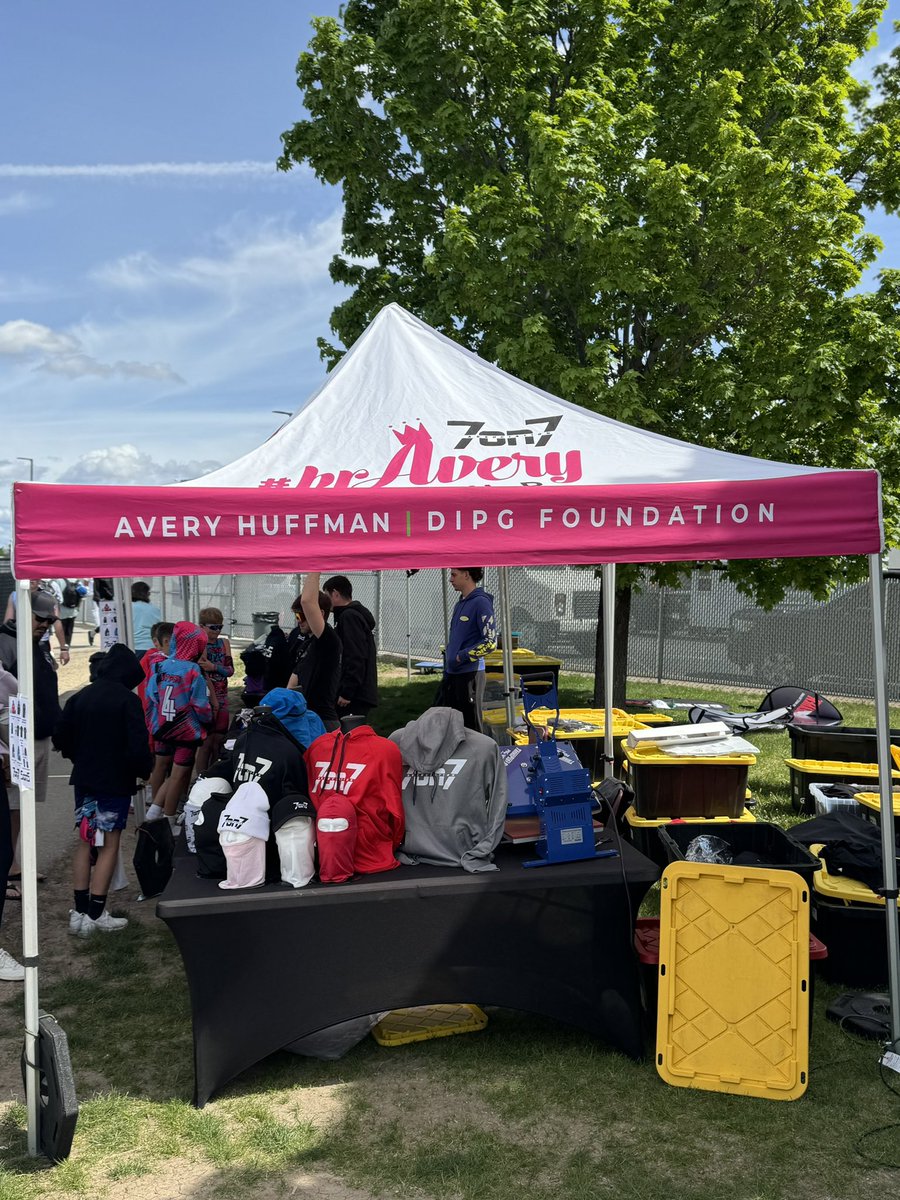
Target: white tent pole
{"x": 445, "y": 598}
{"x": 509, "y": 692}
{"x": 608, "y": 584}
{"x": 883, "y": 738}
{"x": 379, "y": 645}
{"x": 122, "y": 592}
{"x": 185, "y": 597}
{"x": 408, "y": 629}
{"x": 28, "y": 850}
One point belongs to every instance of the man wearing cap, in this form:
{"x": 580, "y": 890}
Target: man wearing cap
{"x": 45, "y": 715}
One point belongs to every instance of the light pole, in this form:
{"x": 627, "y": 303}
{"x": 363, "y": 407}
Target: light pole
{"x": 30, "y": 462}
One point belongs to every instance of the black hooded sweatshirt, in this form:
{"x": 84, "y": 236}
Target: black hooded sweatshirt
{"x": 359, "y": 668}
{"x": 102, "y": 729}
{"x": 265, "y": 753}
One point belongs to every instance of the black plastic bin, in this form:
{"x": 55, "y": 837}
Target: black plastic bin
{"x": 775, "y": 847}
{"x": 844, "y": 744}
{"x": 263, "y": 621}
{"x": 856, "y": 937}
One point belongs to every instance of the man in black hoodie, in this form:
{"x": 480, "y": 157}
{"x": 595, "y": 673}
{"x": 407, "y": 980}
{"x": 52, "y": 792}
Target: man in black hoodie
{"x": 45, "y": 716}
{"x": 358, "y": 690}
{"x": 102, "y": 731}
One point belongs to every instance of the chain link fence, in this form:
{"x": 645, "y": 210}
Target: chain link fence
{"x": 702, "y": 632}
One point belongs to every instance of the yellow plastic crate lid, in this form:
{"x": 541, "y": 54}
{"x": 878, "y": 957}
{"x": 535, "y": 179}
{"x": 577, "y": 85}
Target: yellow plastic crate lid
{"x": 622, "y": 722}
{"x": 405, "y": 1025}
{"x": 497, "y": 716}
{"x": 649, "y": 754}
{"x": 520, "y": 736}
{"x": 818, "y": 766}
{"x": 873, "y": 800}
{"x": 636, "y": 822}
{"x": 839, "y": 887}
{"x": 652, "y": 718}
{"x": 733, "y": 1006}
{"x": 592, "y": 716}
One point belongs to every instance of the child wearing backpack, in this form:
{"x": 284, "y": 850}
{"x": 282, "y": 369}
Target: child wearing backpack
{"x": 102, "y": 731}
{"x": 161, "y": 636}
{"x": 180, "y": 712}
{"x": 218, "y": 667}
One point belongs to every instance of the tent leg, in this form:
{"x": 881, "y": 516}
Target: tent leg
{"x": 445, "y": 600}
{"x": 509, "y": 691}
{"x": 122, "y": 592}
{"x": 25, "y": 655}
{"x": 608, "y": 580}
{"x": 378, "y": 588}
{"x": 408, "y": 628}
{"x": 882, "y": 725}
{"x": 185, "y": 597}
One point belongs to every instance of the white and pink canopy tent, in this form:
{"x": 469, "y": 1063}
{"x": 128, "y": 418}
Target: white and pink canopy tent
{"x": 416, "y": 452}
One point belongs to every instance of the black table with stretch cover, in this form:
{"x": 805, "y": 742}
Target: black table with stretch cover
{"x": 268, "y": 966}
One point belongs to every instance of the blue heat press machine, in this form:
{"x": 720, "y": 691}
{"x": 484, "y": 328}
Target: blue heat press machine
{"x": 557, "y": 788}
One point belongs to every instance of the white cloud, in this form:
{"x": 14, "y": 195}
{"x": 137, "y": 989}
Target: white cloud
{"x": 77, "y": 366}
{"x": 194, "y": 170}
{"x": 16, "y": 469}
{"x": 63, "y": 355}
{"x": 18, "y": 289}
{"x": 27, "y": 337}
{"x": 243, "y": 260}
{"x": 18, "y": 202}
{"x": 126, "y": 464}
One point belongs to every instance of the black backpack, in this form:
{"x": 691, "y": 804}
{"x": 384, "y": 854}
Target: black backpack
{"x": 71, "y": 597}
{"x": 104, "y": 590}
{"x": 153, "y": 856}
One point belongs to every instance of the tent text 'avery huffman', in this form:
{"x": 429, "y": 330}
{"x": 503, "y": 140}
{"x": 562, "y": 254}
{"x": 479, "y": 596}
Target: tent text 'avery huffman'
{"x": 131, "y": 531}
{"x": 415, "y": 452}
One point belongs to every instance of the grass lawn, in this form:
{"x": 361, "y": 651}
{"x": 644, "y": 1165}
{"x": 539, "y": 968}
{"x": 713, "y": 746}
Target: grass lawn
{"x": 526, "y": 1109}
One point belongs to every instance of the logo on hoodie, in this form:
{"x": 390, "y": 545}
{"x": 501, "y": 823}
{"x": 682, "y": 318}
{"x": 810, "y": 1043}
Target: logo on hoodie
{"x": 328, "y": 780}
{"x": 251, "y": 770}
{"x": 443, "y": 777}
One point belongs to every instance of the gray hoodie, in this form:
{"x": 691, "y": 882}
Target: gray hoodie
{"x": 454, "y": 792}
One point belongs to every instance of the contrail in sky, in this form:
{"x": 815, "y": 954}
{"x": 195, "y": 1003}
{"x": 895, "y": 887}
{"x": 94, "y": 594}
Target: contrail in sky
{"x": 205, "y": 170}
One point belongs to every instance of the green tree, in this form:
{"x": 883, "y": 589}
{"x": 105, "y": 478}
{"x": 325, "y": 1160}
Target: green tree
{"x": 653, "y": 208}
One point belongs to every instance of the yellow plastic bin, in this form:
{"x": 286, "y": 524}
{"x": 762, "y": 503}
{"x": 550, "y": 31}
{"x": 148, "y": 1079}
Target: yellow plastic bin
{"x": 587, "y": 743}
{"x": 669, "y": 786}
{"x": 871, "y": 805}
{"x": 805, "y": 771}
{"x": 851, "y": 920}
{"x": 642, "y": 832}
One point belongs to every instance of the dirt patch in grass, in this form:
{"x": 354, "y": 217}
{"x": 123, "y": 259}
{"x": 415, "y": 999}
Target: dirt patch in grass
{"x": 179, "y": 1178}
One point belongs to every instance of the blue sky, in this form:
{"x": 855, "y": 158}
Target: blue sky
{"x": 161, "y": 285}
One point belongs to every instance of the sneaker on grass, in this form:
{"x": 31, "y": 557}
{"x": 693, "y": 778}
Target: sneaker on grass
{"x": 104, "y": 924}
{"x": 10, "y": 970}
{"x": 76, "y": 919}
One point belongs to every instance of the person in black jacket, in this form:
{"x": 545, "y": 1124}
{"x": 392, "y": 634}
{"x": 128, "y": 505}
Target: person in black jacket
{"x": 102, "y": 731}
{"x": 355, "y": 625}
{"x": 46, "y": 713}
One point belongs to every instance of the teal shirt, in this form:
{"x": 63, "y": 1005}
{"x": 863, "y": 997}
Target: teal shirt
{"x": 144, "y": 616}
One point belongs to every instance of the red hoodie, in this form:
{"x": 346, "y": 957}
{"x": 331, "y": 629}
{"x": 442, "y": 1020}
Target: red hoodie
{"x": 367, "y": 769}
